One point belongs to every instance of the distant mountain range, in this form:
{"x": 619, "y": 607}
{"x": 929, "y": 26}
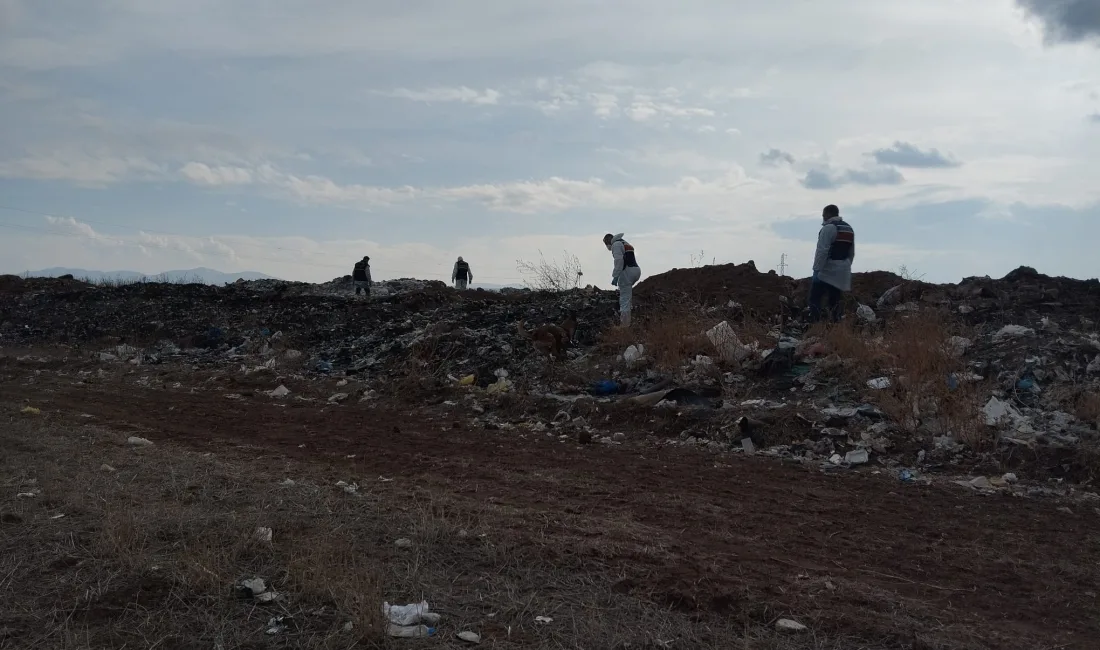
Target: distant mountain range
{"x": 200, "y": 275}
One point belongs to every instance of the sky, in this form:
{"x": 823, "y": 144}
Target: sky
{"x": 959, "y": 138}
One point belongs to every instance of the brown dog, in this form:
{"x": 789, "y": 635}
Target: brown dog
{"x": 551, "y": 339}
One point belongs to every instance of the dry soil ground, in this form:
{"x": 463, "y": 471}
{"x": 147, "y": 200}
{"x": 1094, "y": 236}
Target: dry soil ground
{"x": 626, "y": 546}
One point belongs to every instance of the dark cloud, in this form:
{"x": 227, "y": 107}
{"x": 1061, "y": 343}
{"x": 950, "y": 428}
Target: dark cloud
{"x": 824, "y": 178}
{"x": 1066, "y": 21}
{"x": 776, "y": 157}
{"x": 903, "y": 154}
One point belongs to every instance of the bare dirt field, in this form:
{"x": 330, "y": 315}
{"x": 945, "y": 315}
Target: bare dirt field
{"x": 105, "y": 544}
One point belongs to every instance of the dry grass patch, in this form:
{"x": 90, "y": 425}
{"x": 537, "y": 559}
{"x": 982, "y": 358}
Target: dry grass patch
{"x": 929, "y": 390}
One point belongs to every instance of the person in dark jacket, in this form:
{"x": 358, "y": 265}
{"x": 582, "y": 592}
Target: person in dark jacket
{"x": 836, "y": 249}
{"x": 461, "y": 275}
{"x": 360, "y": 275}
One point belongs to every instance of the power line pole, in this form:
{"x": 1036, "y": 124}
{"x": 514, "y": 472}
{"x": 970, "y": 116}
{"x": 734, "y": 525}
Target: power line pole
{"x": 783, "y": 264}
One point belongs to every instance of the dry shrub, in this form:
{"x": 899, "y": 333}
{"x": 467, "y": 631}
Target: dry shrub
{"x": 1087, "y": 407}
{"x": 669, "y": 338}
{"x": 551, "y": 275}
{"x": 913, "y": 351}
{"x": 423, "y": 369}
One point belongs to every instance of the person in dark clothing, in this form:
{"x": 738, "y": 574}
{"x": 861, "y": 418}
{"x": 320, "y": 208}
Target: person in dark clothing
{"x": 360, "y": 275}
{"x": 836, "y": 248}
{"x": 461, "y": 275}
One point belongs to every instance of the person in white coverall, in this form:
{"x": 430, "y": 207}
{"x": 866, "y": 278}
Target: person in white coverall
{"x": 625, "y": 274}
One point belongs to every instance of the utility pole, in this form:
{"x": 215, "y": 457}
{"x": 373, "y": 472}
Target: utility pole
{"x": 783, "y": 264}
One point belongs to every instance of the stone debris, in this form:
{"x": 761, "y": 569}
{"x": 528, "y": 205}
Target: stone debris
{"x": 789, "y": 626}
{"x": 137, "y": 441}
{"x": 469, "y": 637}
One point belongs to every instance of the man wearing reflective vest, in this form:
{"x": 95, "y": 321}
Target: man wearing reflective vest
{"x": 461, "y": 274}
{"x": 625, "y": 274}
{"x": 360, "y": 275}
{"x": 836, "y": 248}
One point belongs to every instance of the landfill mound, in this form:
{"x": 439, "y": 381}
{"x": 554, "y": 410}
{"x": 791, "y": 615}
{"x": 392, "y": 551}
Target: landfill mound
{"x": 763, "y": 294}
{"x": 717, "y": 285}
{"x": 329, "y": 328}
{"x": 1027, "y": 360}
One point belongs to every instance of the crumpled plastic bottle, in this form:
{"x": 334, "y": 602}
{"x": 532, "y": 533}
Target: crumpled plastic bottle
{"x": 410, "y": 631}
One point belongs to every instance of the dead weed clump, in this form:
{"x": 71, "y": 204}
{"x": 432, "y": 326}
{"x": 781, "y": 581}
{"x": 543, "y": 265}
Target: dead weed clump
{"x": 672, "y": 338}
{"x": 929, "y": 388}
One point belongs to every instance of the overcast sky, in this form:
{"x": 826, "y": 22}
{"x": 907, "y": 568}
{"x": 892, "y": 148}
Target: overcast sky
{"x": 292, "y": 137}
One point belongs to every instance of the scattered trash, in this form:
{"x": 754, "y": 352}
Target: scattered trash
{"x": 788, "y": 626}
{"x": 857, "y": 457}
{"x": 338, "y": 397}
{"x": 253, "y": 586}
{"x": 958, "y": 345}
{"x": 139, "y": 442}
{"x": 633, "y": 353}
{"x": 543, "y": 620}
{"x": 278, "y": 624}
{"x": 350, "y": 488}
{"x": 106, "y": 468}
{"x": 263, "y": 534}
{"x": 468, "y": 380}
{"x": 30, "y": 410}
{"x": 605, "y": 387}
{"x": 410, "y": 631}
{"x": 727, "y": 344}
{"x": 905, "y": 476}
{"x": 998, "y": 412}
{"x": 891, "y": 297}
{"x": 1010, "y": 478}
{"x": 410, "y": 621}
{"x": 502, "y": 385}
{"x": 469, "y": 637}
{"x": 33, "y": 494}
{"x": 747, "y": 446}
{"x": 980, "y": 483}
{"x": 281, "y": 391}
{"x": 1012, "y": 332}
{"x": 879, "y": 383}
{"x": 404, "y": 542}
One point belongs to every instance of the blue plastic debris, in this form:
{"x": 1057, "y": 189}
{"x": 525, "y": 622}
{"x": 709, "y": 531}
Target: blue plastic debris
{"x": 605, "y": 387}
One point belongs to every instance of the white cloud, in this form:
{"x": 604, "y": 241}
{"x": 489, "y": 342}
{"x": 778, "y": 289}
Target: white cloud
{"x": 462, "y": 94}
{"x": 273, "y": 108}
{"x": 89, "y": 168}
{"x": 203, "y": 174}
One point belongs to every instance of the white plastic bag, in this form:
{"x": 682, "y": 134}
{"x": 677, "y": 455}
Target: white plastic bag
{"x": 727, "y": 344}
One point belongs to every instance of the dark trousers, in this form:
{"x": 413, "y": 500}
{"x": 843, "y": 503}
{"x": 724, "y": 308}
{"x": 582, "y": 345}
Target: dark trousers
{"x": 833, "y": 296}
